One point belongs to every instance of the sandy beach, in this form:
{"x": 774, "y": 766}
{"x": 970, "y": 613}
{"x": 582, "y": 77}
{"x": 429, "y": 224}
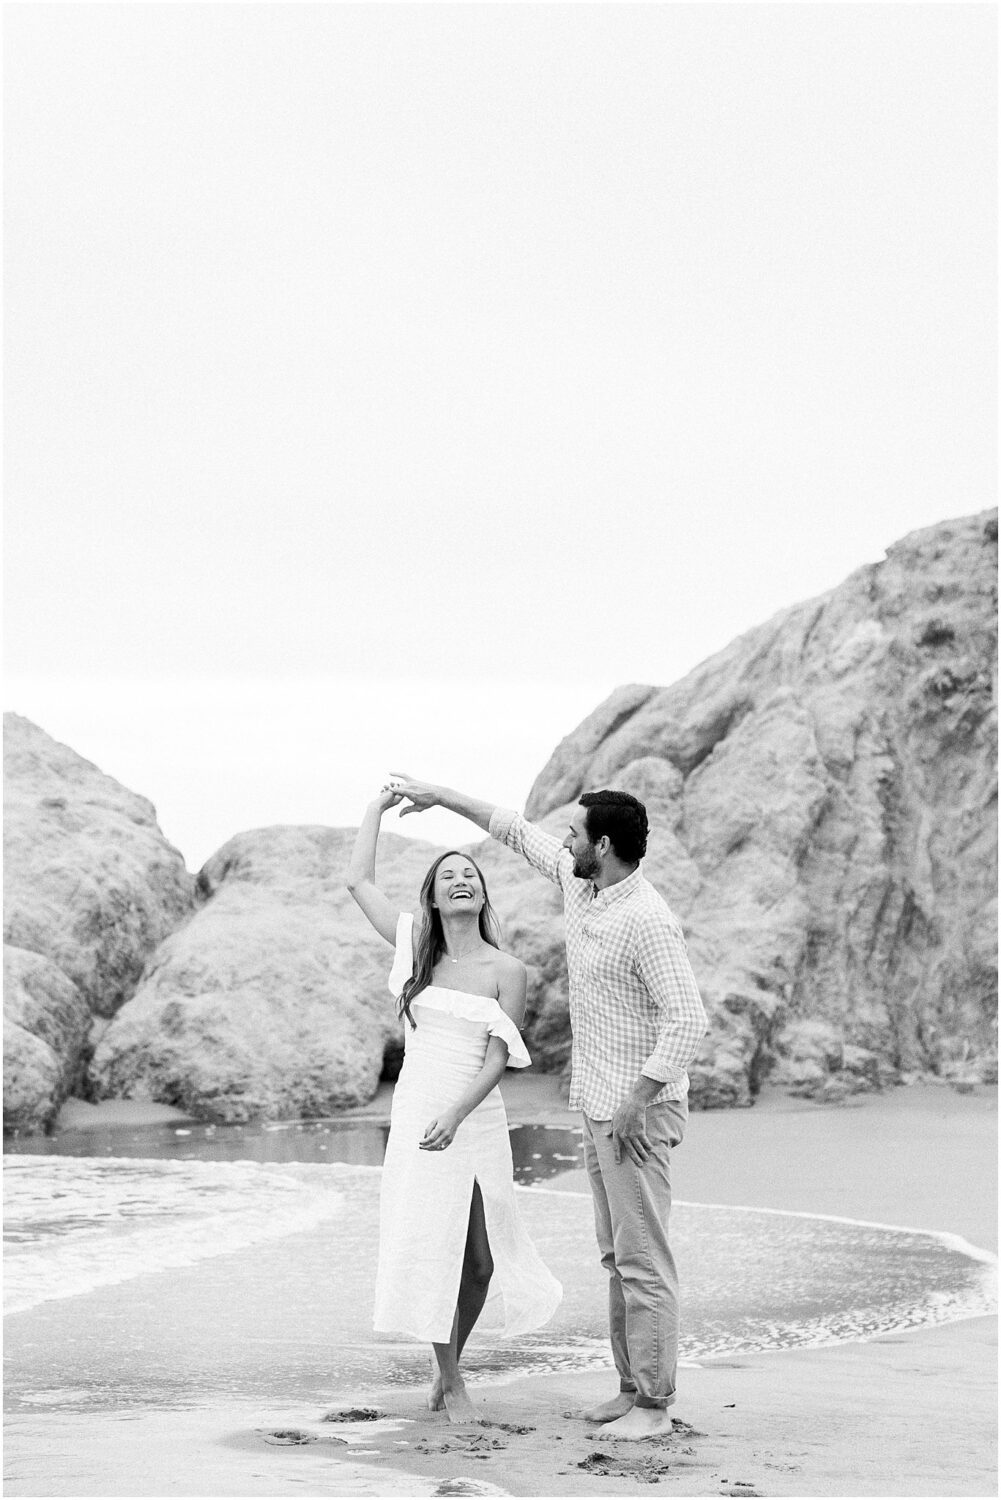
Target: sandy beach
{"x": 909, "y": 1413}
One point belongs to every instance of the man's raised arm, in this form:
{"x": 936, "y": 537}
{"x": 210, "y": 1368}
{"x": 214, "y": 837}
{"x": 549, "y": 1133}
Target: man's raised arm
{"x": 424, "y": 794}
{"x": 544, "y": 852}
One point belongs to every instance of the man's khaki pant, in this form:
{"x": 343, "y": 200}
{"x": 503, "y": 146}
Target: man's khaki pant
{"x": 631, "y": 1208}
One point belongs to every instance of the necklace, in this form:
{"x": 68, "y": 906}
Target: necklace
{"x": 460, "y": 957}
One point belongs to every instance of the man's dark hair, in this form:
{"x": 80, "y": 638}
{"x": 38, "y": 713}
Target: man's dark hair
{"x": 620, "y": 816}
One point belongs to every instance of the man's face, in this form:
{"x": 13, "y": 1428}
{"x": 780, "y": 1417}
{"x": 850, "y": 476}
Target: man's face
{"x": 586, "y": 863}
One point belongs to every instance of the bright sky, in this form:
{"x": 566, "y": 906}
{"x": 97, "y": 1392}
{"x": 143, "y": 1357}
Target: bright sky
{"x": 387, "y": 383}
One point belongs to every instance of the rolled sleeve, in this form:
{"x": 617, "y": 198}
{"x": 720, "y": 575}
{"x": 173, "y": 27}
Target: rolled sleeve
{"x": 500, "y": 823}
{"x": 543, "y": 851}
{"x": 662, "y": 961}
{"x": 674, "y": 1081}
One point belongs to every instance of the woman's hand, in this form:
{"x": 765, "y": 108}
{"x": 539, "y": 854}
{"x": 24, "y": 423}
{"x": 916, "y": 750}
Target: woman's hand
{"x": 388, "y": 797}
{"x": 441, "y": 1131}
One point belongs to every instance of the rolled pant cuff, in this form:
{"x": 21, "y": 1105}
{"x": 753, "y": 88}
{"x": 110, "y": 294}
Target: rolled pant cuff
{"x": 660, "y": 1402}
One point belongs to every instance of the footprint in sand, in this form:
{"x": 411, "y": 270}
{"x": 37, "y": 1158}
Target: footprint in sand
{"x": 478, "y": 1444}
{"x": 352, "y": 1414}
{"x": 359, "y": 1427}
{"x": 649, "y": 1470}
{"x": 298, "y": 1437}
{"x": 461, "y": 1486}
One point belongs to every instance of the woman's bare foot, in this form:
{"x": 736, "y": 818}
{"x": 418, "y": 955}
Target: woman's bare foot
{"x": 609, "y": 1410}
{"x": 436, "y": 1397}
{"x": 458, "y": 1404}
{"x": 641, "y": 1422}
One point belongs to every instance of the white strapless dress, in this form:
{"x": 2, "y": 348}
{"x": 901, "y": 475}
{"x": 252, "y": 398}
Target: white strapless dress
{"x": 425, "y": 1197}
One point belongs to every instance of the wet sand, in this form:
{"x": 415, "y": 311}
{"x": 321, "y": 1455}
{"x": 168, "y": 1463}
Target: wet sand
{"x": 907, "y": 1414}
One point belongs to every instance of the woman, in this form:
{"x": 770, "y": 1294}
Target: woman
{"x": 450, "y": 1238}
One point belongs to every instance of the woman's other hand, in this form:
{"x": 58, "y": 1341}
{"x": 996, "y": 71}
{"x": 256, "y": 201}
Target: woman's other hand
{"x": 440, "y": 1133}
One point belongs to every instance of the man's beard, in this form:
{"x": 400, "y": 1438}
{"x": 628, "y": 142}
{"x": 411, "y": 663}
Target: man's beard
{"x": 586, "y": 864}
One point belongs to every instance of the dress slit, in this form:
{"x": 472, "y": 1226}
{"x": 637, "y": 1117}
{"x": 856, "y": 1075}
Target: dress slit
{"x": 486, "y": 1226}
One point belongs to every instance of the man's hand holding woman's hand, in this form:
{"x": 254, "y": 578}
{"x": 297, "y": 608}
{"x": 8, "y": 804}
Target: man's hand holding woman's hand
{"x": 388, "y": 797}
{"x": 420, "y": 794}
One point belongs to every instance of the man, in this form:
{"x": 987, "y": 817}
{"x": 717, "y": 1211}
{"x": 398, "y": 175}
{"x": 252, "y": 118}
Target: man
{"x": 637, "y": 1019}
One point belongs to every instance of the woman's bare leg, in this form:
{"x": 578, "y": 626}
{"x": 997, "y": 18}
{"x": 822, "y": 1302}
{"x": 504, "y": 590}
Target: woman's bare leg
{"x": 448, "y": 1390}
{"x": 436, "y": 1398}
{"x": 477, "y": 1270}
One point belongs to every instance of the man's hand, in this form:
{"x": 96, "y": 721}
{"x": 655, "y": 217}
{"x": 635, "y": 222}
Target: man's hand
{"x": 629, "y": 1132}
{"x": 420, "y": 794}
{"x": 424, "y": 794}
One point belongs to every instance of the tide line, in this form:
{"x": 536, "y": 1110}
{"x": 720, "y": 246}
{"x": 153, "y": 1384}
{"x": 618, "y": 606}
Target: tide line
{"x": 945, "y": 1237}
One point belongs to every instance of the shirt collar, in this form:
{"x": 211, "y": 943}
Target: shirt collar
{"x": 620, "y": 889}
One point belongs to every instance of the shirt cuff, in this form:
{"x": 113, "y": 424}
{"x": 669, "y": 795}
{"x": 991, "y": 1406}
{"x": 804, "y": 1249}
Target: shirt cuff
{"x": 501, "y": 820}
{"x": 663, "y": 1073}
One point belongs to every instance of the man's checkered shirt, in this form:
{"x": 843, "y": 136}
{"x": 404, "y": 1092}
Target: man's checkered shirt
{"x": 634, "y": 1004}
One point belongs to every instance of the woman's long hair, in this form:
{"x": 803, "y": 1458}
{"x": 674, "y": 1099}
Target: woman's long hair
{"x": 431, "y": 939}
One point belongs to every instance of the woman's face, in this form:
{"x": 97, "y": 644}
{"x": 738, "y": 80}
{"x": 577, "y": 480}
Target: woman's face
{"x": 457, "y": 885}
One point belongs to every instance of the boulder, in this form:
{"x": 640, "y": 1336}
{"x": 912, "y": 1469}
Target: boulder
{"x": 92, "y": 887}
{"x": 822, "y": 800}
{"x": 272, "y": 1002}
{"x": 90, "y": 882}
{"x": 45, "y": 1026}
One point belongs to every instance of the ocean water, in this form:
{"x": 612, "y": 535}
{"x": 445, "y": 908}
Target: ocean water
{"x": 90, "y": 1208}
{"x": 278, "y": 1255}
{"x": 538, "y": 1151}
{"x": 74, "y": 1224}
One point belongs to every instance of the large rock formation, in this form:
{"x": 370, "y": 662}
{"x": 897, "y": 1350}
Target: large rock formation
{"x": 822, "y": 801}
{"x": 822, "y": 796}
{"x": 91, "y": 885}
{"x": 46, "y": 1022}
{"x": 272, "y": 1001}
{"x": 90, "y": 881}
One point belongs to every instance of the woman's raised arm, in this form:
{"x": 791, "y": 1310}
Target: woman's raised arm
{"x": 380, "y": 911}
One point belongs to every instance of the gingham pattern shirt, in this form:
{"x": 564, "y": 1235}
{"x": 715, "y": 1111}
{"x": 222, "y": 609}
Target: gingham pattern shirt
{"x": 634, "y": 1005}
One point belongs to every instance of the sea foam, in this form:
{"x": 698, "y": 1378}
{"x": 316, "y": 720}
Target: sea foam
{"x": 73, "y": 1225}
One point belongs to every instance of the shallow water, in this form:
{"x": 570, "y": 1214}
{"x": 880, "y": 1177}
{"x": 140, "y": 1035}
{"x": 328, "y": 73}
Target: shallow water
{"x": 90, "y": 1208}
{"x": 539, "y": 1151}
{"x": 270, "y": 1233}
{"x": 296, "y": 1300}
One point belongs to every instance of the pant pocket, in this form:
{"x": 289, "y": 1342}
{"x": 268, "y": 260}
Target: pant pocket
{"x": 666, "y": 1122}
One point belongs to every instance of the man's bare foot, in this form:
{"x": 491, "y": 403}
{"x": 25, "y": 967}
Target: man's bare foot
{"x": 609, "y": 1410}
{"x": 641, "y": 1422}
{"x": 457, "y": 1403}
{"x": 436, "y": 1397}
